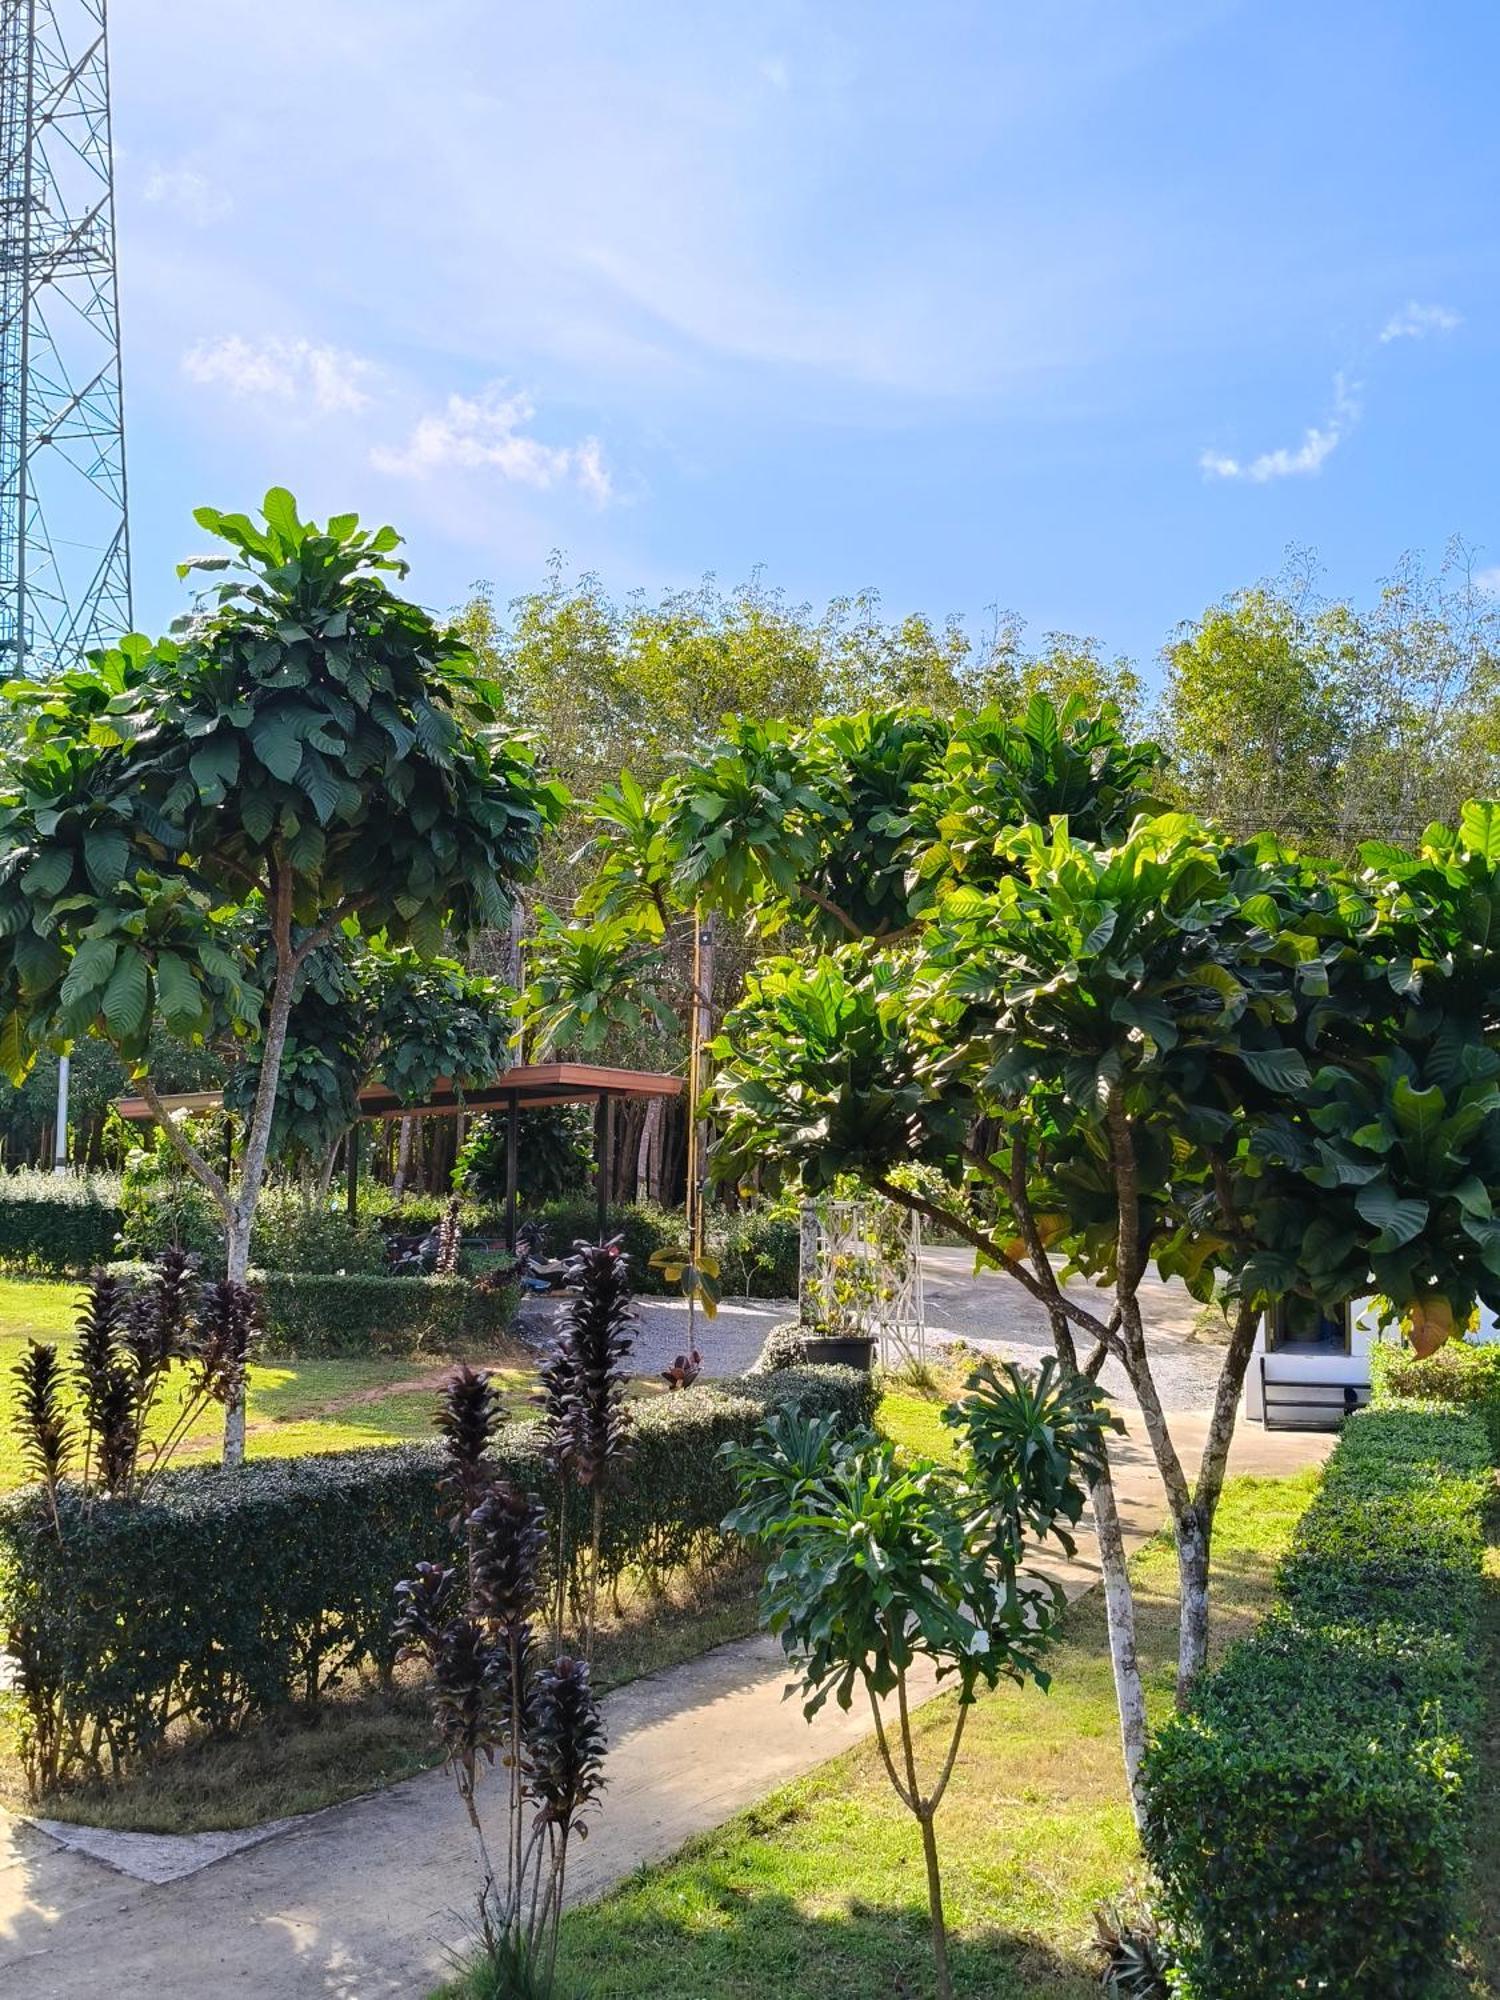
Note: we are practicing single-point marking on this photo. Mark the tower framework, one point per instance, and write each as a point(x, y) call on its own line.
point(64, 539)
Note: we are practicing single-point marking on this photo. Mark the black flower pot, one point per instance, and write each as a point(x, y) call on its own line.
point(840, 1351)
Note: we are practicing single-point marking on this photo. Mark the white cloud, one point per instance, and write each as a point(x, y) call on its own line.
point(188, 194)
point(1415, 322)
point(774, 70)
point(1488, 580)
point(1319, 442)
point(327, 379)
point(489, 431)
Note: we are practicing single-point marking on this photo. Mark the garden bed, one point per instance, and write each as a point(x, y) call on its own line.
point(819, 1891)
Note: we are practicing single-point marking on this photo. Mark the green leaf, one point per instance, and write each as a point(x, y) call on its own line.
point(124, 1004)
point(177, 991)
point(93, 962)
point(1277, 1069)
point(280, 510)
point(48, 874)
point(1479, 827)
point(278, 747)
point(1419, 1113)
point(106, 857)
point(1398, 1218)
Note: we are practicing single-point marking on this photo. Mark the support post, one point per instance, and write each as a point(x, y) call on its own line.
point(352, 1144)
point(512, 1148)
point(603, 1136)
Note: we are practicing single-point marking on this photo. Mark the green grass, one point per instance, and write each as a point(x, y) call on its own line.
point(819, 1891)
point(293, 1407)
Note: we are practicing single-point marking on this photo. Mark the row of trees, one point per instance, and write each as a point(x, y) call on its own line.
point(1088, 1035)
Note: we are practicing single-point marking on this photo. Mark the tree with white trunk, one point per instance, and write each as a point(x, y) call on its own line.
point(309, 746)
point(1089, 1038)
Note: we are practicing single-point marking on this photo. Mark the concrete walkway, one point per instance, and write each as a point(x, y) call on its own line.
point(367, 1899)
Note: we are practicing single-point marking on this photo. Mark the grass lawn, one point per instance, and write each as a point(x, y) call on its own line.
point(819, 1890)
point(294, 1406)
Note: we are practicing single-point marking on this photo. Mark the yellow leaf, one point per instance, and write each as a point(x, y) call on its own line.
point(1429, 1325)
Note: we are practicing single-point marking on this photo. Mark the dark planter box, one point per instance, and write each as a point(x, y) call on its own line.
point(831, 1352)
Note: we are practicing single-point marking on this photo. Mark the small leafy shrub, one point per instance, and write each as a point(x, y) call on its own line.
point(759, 1253)
point(1133, 1960)
point(292, 1234)
point(316, 1313)
point(1463, 1372)
point(162, 1207)
point(1307, 1818)
point(785, 1346)
point(554, 1156)
point(877, 1561)
point(56, 1225)
point(221, 1596)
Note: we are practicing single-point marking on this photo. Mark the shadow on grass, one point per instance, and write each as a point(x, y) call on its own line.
point(737, 1946)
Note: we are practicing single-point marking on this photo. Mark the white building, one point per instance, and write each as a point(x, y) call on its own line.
point(1309, 1368)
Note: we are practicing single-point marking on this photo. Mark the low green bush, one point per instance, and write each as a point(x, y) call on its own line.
point(1464, 1372)
point(56, 1225)
point(224, 1595)
point(292, 1234)
point(1306, 1817)
point(322, 1313)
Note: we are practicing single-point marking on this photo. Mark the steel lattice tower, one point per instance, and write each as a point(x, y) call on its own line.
point(64, 543)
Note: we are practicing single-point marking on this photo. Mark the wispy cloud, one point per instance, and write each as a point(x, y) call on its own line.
point(490, 432)
point(1488, 580)
point(775, 71)
point(329, 380)
point(1319, 442)
point(189, 194)
point(1415, 322)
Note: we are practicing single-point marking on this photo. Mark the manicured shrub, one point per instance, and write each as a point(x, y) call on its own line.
point(1464, 1372)
point(223, 1595)
point(54, 1225)
point(1306, 1818)
point(310, 1312)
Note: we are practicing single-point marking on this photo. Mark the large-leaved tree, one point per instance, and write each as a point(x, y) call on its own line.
point(308, 745)
point(1110, 1038)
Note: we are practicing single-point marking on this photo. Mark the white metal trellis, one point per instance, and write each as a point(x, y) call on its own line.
point(862, 1271)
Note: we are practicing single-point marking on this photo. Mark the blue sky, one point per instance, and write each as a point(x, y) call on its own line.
point(1087, 309)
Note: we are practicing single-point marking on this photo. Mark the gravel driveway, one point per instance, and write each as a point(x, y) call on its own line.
point(987, 1309)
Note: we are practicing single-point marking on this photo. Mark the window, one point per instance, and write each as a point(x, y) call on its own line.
point(1301, 1323)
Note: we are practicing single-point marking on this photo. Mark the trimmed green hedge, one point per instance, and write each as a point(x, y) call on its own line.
point(55, 1225)
point(1462, 1371)
point(313, 1313)
point(224, 1595)
point(1306, 1818)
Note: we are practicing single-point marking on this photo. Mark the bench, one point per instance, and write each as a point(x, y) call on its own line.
point(1321, 1405)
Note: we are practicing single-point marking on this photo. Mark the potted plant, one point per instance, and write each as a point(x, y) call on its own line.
point(841, 1337)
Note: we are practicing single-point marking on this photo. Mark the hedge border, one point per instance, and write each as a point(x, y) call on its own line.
point(1306, 1818)
point(225, 1595)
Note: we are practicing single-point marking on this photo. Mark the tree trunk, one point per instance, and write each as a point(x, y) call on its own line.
point(403, 1157)
point(1119, 1605)
point(1193, 1541)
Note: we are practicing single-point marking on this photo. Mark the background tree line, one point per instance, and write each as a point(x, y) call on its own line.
point(1319, 717)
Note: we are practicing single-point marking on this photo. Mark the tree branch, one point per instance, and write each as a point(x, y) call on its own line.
point(183, 1146)
point(961, 1225)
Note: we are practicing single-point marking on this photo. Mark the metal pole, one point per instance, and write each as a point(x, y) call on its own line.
point(60, 1142)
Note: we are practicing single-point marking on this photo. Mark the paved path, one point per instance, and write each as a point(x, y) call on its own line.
point(985, 1308)
point(365, 1901)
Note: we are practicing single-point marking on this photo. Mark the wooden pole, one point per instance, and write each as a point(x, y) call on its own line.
point(512, 1149)
point(351, 1144)
point(602, 1135)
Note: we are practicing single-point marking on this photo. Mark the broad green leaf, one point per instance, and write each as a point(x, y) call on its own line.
point(1399, 1219)
point(1479, 826)
point(1277, 1069)
point(124, 1002)
point(177, 991)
